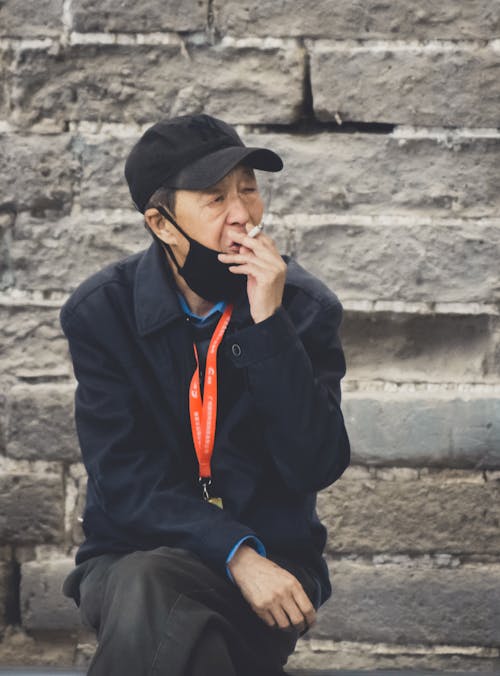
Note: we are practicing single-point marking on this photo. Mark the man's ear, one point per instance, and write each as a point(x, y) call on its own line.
point(159, 225)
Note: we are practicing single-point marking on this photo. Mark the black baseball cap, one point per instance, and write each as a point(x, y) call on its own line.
point(191, 152)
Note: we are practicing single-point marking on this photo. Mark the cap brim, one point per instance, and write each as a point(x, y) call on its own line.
point(210, 169)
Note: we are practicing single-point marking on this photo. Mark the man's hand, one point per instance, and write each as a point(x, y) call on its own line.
point(273, 593)
point(259, 258)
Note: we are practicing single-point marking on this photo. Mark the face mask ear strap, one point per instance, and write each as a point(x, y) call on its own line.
point(166, 246)
point(166, 215)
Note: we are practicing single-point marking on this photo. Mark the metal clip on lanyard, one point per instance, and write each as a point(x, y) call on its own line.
point(203, 410)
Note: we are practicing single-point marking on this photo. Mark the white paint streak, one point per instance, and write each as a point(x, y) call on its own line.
point(416, 46)
point(257, 43)
point(318, 645)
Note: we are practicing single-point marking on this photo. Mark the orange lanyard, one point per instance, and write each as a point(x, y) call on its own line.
point(203, 411)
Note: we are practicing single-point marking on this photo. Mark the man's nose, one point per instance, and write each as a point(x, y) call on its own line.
point(238, 213)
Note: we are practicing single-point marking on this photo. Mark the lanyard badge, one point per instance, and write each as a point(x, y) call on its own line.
point(203, 410)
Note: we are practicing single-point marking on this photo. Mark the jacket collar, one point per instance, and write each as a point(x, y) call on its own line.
point(155, 300)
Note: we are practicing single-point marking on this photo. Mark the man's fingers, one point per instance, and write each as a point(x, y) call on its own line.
point(267, 617)
point(281, 617)
point(305, 605)
point(296, 617)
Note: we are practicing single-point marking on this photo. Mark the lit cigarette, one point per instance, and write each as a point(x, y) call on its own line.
point(255, 231)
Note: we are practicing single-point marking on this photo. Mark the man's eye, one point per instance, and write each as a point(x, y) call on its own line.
point(218, 198)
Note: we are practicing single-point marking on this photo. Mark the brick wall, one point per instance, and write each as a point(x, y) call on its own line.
point(387, 117)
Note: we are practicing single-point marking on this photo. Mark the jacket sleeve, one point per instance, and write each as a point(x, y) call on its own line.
point(294, 377)
point(139, 490)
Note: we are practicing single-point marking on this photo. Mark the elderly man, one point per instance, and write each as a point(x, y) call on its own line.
point(208, 415)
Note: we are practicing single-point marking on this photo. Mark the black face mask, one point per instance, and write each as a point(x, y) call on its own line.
point(203, 271)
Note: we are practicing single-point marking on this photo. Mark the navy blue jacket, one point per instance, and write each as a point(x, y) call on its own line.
point(280, 433)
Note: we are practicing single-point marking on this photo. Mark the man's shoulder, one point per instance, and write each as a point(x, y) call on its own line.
point(96, 290)
point(310, 286)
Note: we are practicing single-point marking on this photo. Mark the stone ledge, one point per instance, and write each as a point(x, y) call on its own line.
point(240, 85)
point(403, 606)
point(434, 429)
point(415, 86)
point(388, 511)
point(476, 19)
point(43, 605)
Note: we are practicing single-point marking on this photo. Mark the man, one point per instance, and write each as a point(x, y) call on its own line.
point(208, 414)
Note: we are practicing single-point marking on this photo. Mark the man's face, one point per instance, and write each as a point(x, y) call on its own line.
point(213, 215)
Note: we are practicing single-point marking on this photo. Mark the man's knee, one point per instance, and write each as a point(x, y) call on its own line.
point(164, 569)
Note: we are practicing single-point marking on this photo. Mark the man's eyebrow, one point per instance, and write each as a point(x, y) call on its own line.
point(211, 190)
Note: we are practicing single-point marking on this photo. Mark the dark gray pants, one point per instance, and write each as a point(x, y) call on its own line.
point(164, 612)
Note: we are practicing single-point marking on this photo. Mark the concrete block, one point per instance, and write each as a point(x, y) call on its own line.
point(103, 161)
point(26, 20)
point(38, 172)
point(19, 649)
point(31, 508)
point(406, 86)
point(59, 254)
point(402, 347)
point(391, 660)
point(395, 605)
point(382, 175)
point(418, 263)
point(6, 57)
point(435, 429)
point(43, 605)
point(341, 174)
point(132, 17)
point(33, 344)
point(6, 583)
point(136, 84)
point(370, 19)
point(420, 516)
point(76, 493)
point(40, 423)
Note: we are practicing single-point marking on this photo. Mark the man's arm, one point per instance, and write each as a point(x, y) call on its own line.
point(296, 391)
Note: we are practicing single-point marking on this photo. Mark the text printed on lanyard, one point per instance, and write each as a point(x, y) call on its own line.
point(203, 410)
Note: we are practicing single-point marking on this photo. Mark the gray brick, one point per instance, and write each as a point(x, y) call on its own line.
point(6, 584)
point(371, 175)
point(369, 19)
point(423, 429)
point(394, 604)
point(5, 63)
point(38, 172)
point(31, 508)
point(103, 162)
point(76, 491)
point(58, 254)
point(367, 263)
point(32, 343)
point(402, 347)
point(133, 17)
point(127, 84)
point(418, 660)
point(40, 423)
point(377, 175)
point(432, 514)
point(35, 19)
point(442, 88)
point(43, 605)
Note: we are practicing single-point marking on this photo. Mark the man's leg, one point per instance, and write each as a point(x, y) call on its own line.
point(163, 611)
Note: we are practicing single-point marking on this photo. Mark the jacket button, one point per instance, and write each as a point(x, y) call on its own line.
point(236, 350)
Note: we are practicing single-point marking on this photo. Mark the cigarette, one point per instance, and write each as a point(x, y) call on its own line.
point(255, 231)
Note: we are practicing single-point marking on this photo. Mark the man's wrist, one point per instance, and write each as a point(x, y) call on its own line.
point(244, 554)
